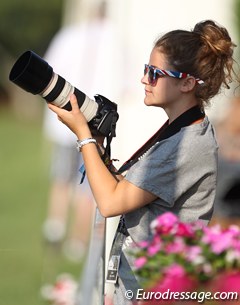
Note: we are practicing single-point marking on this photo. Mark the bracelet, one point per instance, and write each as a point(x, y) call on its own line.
point(80, 144)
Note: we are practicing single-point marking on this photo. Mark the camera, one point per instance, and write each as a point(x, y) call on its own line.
point(33, 74)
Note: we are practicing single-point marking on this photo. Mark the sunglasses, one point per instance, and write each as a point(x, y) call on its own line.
point(154, 74)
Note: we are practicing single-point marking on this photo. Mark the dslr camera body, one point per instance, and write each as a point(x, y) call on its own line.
point(33, 74)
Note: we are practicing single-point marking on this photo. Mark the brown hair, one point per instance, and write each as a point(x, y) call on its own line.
point(205, 52)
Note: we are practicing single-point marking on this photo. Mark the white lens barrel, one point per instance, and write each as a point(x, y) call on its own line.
point(89, 107)
point(64, 96)
point(50, 86)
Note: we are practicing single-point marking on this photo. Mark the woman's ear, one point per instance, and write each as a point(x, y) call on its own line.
point(188, 84)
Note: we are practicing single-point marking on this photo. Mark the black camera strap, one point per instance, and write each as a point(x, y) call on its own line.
point(167, 130)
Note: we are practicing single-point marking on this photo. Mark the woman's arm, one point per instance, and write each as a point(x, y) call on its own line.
point(113, 197)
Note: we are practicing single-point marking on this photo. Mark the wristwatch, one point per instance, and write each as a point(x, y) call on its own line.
point(81, 143)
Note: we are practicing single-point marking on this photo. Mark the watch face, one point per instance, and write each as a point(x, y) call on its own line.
point(80, 144)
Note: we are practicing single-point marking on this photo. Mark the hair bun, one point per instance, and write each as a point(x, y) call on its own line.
point(215, 37)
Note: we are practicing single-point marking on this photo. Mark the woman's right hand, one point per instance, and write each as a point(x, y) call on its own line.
point(74, 119)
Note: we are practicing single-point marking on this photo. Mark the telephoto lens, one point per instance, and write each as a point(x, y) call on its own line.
point(33, 74)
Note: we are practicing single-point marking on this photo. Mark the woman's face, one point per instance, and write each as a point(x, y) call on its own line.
point(166, 91)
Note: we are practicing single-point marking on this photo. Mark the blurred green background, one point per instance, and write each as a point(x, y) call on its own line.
point(26, 263)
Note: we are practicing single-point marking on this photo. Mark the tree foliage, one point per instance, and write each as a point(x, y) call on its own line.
point(28, 24)
point(237, 21)
point(237, 4)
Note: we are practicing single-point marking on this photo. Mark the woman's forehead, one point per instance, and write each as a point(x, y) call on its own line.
point(158, 59)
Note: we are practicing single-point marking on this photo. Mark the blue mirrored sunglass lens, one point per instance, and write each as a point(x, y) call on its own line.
point(151, 75)
point(145, 69)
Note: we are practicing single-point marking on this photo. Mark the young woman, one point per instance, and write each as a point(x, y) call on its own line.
point(176, 169)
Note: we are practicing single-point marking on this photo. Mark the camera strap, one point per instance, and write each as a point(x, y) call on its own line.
point(167, 130)
point(106, 157)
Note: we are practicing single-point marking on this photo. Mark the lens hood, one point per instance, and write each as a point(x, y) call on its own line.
point(31, 73)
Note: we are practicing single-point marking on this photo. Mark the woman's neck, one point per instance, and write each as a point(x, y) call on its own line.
point(175, 112)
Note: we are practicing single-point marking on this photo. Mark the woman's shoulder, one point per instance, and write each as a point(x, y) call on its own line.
point(189, 141)
point(202, 133)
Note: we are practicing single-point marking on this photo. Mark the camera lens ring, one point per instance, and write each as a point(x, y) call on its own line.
point(56, 91)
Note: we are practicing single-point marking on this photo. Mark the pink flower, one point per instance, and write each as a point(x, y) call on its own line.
point(153, 249)
point(227, 282)
point(236, 244)
point(211, 234)
point(232, 255)
point(179, 284)
point(140, 262)
point(183, 256)
point(174, 270)
point(198, 225)
point(154, 246)
point(193, 253)
point(234, 229)
point(63, 292)
point(219, 240)
point(143, 244)
point(164, 223)
point(177, 246)
point(175, 280)
point(223, 243)
point(207, 268)
point(185, 230)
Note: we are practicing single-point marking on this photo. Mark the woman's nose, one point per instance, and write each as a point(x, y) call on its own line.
point(144, 79)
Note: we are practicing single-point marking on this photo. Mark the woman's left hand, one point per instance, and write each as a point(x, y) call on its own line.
point(73, 119)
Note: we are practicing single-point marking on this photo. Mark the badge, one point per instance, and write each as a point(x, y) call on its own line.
point(112, 271)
